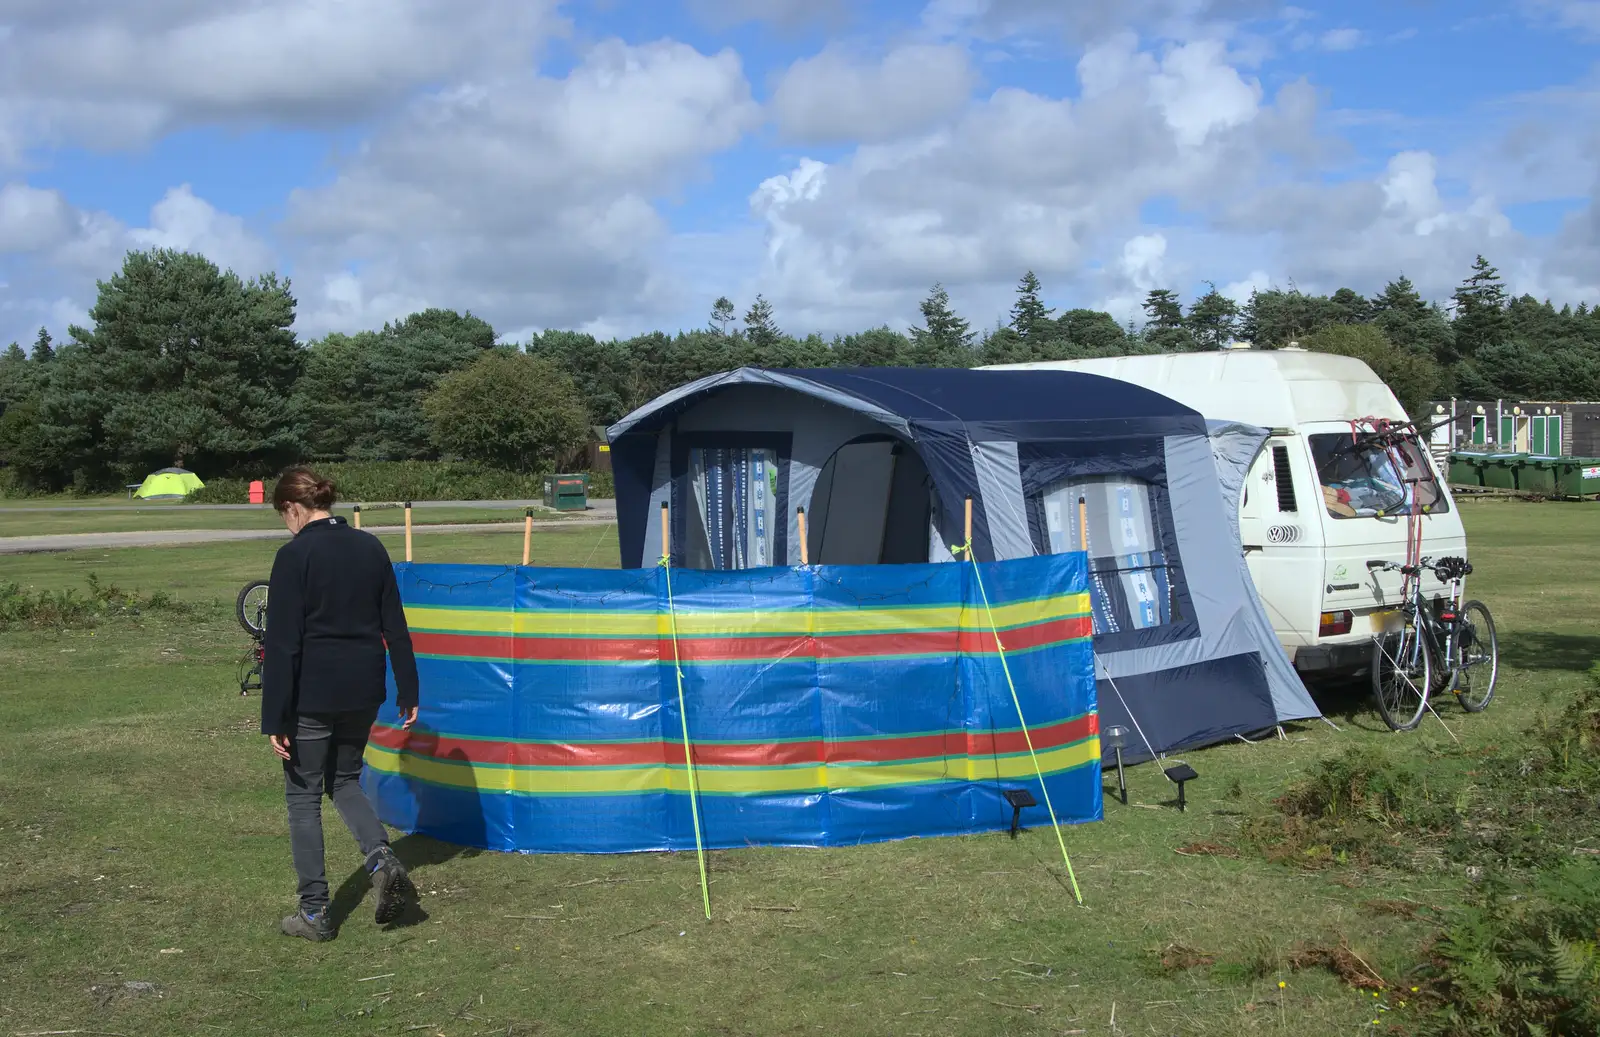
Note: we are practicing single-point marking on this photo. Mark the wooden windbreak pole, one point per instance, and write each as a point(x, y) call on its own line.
point(666, 532)
point(408, 531)
point(805, 550)
point(527, 535)
point(358, 516)
point(1083, 525)
point(968, 524)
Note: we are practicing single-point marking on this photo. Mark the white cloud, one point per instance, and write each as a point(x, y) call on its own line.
point(60, 250)
point(1199, 92)
point(1341, 39)
point(524, 198)
point(189, 224)
point(858, 240)
point(1085, 20)
point(1241, 290)
point(1583, 15)
point(116, 75)
point(723, 14)
point(31, 219)
point(835, 96)
point(541, 201)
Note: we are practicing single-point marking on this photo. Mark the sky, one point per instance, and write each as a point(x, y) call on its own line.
point(614, 166)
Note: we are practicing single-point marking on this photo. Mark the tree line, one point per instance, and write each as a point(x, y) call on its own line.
point(186, 364)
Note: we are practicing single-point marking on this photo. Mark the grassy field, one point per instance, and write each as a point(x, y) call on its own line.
point(142, 840)
point(19, 519)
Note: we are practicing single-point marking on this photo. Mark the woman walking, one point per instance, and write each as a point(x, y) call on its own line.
point(333, 611)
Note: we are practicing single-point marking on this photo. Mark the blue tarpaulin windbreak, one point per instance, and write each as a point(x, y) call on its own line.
point(827, 705)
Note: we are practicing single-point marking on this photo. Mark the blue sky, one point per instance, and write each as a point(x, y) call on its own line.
point(616, 165)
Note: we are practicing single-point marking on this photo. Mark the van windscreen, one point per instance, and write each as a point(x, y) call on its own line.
point(1360, 478)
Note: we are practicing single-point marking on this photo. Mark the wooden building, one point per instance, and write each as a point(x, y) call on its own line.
point(1568, 428)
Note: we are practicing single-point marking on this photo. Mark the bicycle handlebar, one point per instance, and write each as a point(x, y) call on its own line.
point(1450, 568)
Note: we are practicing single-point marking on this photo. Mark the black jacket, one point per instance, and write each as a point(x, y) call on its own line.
point(332, 606)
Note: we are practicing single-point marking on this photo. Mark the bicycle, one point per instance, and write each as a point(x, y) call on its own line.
point(1425, 647)
point(251, 610)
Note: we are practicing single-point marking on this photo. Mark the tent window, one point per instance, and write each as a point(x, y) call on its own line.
point(735, 508)
point(1114, 519)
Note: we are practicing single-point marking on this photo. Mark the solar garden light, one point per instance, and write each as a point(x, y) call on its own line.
point(1180, 774)
point(1118, 739)
point(1018, 798)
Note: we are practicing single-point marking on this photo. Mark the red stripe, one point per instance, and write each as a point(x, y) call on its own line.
point(750, 754)
point(735, 649)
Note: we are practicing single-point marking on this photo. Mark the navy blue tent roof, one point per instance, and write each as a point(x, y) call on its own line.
point(1036, 405)
point(944, 412)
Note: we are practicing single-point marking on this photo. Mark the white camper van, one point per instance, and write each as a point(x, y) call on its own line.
point(1315, 509)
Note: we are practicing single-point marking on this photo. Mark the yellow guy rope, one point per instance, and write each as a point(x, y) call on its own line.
point(1000, 650)
point(683, 714)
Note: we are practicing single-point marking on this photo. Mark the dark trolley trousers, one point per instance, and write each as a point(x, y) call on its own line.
point(325, 755)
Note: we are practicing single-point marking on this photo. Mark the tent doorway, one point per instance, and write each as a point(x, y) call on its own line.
point(872, 506)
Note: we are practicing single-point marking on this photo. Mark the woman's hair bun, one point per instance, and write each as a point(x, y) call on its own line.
point(300, 485)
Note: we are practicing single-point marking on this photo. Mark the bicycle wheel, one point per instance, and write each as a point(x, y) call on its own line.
point(1401, 674)
point(1477, 661)
point(251, 608)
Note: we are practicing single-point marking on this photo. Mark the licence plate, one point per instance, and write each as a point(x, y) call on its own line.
point(1382, 621)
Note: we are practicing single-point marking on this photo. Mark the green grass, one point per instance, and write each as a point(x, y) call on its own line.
point(140, 812)
point(22, 521)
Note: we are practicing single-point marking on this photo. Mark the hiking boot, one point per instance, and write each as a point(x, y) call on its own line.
point(392, 883)
point(315, 926)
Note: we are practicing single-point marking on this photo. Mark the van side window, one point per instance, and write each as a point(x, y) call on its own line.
point(1284, 477)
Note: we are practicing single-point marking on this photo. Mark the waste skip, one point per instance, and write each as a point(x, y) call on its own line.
point(1577, 476)
point(1466, 468)
point(1500, 471)
point(567, 492)
point(1538, 474)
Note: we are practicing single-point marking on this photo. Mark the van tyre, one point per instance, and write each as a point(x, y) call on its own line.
point(1477, 661)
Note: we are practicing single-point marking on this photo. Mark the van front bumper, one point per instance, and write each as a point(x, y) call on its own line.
point(1340, 657)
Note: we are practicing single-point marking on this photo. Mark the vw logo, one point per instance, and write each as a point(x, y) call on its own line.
point(1283, 534)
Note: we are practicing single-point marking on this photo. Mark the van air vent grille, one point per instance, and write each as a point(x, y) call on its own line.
point(1284, 477)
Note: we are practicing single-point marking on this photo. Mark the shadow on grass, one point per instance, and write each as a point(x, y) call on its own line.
point(1542, 651)
point(1348, 702)
point(418, 852)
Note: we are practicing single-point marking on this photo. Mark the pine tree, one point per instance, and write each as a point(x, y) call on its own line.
point(42, 350)
point(1164, 328)
point(1212, 319)
point(1480, 305)
point(1412, 324)
point(944, 338)
point(1350, 307)
point(1029, 316)
point(16, 379)
point(759, 327)
point(722, 314)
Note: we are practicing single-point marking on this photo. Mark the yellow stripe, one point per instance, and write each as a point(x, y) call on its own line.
point(558, 781)
point(558, 623)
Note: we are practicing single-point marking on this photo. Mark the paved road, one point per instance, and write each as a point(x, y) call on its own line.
point(594, 505)
point(174, 537)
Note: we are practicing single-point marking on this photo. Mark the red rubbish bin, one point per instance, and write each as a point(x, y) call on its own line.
point(258, 492)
